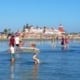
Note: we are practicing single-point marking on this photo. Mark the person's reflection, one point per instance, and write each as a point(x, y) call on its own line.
point(12, 66)
point(35, 71)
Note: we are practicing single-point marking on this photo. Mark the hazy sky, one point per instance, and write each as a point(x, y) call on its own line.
point(15, 13)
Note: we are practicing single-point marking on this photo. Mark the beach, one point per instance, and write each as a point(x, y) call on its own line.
point(39, 40)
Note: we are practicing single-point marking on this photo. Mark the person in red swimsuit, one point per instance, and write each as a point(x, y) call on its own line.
point(11, 41)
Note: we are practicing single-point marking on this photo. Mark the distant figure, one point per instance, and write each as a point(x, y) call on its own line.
point(21, 43)
point(33, 45)
point(53, 41)
point(12, 49)
point(64, 42)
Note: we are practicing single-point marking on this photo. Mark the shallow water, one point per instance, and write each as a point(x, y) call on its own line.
point(56, 64)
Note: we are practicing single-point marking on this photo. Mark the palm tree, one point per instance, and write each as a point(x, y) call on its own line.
point(5, 31)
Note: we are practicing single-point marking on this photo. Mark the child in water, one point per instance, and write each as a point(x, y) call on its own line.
point(36, 60)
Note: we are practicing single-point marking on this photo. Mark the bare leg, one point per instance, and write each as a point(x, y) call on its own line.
point(12, 60)
point(12, 54)
point(36, 60)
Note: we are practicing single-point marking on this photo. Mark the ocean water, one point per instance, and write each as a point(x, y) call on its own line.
point(55, 63)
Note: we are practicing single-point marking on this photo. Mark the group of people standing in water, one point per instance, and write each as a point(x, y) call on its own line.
point(15, 43)
point(64, 41)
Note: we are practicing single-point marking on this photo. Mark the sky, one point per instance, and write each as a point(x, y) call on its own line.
point(14, 14)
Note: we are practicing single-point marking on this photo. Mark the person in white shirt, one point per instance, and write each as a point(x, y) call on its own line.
point(17, 40)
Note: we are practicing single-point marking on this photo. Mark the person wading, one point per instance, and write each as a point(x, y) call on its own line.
point(12, 49)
